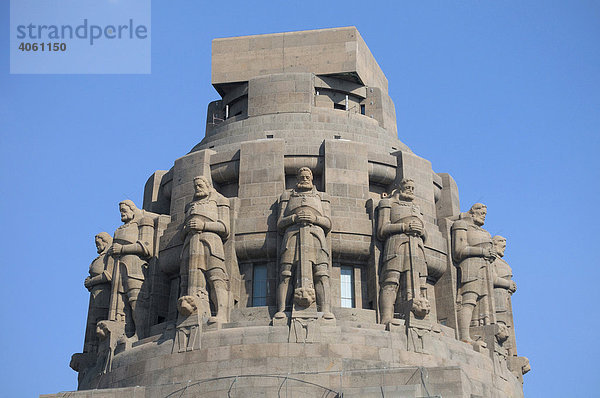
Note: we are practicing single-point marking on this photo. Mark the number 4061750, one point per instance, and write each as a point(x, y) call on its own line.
point(43, 46)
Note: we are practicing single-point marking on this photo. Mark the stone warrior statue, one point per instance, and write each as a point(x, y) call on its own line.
point(401, 226)
point(203, 257)
point(132, 247)
point(473, 252)
point(99, 285)
point(304, 221)
point(504, 287)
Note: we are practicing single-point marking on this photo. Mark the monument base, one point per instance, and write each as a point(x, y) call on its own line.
point(354, 358)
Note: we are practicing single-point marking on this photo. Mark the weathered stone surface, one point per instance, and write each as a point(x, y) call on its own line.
point(321, 52)
point(203, 267)
point(473, 251)
point(305, 255)
point(289, 192)
point(401, 225)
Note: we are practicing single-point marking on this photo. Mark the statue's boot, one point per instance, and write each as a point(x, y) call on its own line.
point(323, 288)
point(464, 321)
point(139, 319)
point(387, 299)
point(282, 293)
point(221, 296)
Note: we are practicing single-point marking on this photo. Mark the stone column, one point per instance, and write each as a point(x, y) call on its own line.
point(261, 181)
point(346, 180)
point(185, 169)
point(448, 209)
point(436, 248)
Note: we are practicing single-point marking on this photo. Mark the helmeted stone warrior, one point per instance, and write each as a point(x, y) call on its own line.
point(99, 286)
point(401, 226)
point(304, 220)
point(473, 252)
point(203, 257)
point(132, 247)
point(504, 287)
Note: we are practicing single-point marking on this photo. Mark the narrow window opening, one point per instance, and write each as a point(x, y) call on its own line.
point(347, 286)
point(363, 109)
point(259, 285)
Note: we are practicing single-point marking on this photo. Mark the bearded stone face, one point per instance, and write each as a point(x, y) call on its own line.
point(304, 181)
point(500, 246)
point(127, 213)
point(407, 191)
point(100, 245)
point(479, 216)
point(201, 188)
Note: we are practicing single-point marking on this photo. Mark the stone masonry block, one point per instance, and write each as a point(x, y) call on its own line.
point(322, 52)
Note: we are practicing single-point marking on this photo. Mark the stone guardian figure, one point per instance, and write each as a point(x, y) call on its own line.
point(304, 220)
point(132, 247)
point(99, 286)
point(504, 287)
point(473, 252)
point(203, 257)
point(401, 227)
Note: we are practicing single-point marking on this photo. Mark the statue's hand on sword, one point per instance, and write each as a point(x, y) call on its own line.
point(306, 217)
point(115, 249)
point(489, 254)
point(415, 228)
point(197, 225)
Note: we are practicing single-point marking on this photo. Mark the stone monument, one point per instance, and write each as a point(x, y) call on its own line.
point(473, 251)
point(99, 285)
point(203, 257)
point(300, 247)
point(304, 221)
point(131, 248)
point(401, 225)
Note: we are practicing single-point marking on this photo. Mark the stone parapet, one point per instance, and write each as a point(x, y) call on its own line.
point(353, 358)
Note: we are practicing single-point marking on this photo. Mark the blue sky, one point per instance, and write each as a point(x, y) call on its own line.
point(504, 96)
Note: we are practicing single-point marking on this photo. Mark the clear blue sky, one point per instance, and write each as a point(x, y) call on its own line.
point(503, 95)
